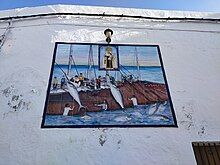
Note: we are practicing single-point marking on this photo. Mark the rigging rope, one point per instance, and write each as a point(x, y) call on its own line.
point(91, 62)
point(62, 70)
point(71, 58)
point(75, 66)
point(127, 71)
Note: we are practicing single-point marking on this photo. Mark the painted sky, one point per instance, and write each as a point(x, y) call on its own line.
point(147, 55)
point(182, 5)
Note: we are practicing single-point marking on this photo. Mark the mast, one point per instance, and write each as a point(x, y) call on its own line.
point(138, 65)
point(91, 64)
point(70, 60)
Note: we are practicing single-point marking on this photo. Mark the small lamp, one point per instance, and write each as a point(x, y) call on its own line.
point(108, 33)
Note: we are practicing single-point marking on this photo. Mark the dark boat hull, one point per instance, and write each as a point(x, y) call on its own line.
point(145, 92)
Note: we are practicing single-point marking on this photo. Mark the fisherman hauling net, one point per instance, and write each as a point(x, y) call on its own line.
point(72, 90)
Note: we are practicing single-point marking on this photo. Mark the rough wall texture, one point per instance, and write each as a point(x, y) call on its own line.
point(190, 53)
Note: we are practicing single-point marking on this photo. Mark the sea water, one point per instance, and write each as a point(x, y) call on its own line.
point(141, 115)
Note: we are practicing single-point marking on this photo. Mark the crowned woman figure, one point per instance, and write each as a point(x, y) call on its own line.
point(109, 58)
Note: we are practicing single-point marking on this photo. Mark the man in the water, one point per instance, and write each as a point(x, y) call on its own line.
point(104, 105)
point(67, 108)
point(134, 101)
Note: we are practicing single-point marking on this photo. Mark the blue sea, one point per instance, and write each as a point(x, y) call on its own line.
point(141, 115)
point(148, 73)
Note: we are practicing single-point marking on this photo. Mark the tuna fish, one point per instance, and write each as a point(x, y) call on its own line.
point(115, 93)
point(75, 95)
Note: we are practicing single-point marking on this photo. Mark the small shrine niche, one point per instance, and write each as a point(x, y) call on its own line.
point(108, 57)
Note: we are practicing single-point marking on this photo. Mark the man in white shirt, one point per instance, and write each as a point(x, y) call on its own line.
point(67, 108)
point(134, 100)
point(104, 105)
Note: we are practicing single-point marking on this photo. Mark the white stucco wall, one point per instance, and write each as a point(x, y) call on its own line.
point(190, 53)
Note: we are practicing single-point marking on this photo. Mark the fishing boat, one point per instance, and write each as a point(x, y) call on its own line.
point(94, 94)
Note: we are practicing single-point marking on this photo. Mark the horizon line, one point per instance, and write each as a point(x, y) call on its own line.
point(121, 65)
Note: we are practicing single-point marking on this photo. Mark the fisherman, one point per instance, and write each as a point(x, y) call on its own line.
point(108, 58)
point(81, 79)
point(72, 79)
point(76, 79)
point(112, 79)
point(62, 82)
point(98, 82)
point(134, 101)
point(130, 78)
point(92, 83)
point(104, 105)
point(55, 83)
point(123, 78)
point(67, 108)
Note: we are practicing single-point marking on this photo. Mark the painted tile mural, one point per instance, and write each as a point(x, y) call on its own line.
point(99, 85)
